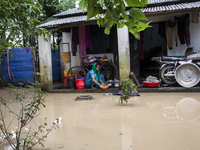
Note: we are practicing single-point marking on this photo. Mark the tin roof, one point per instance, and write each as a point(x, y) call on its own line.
point(65, 21)
point(154, 9)
point(172, 7)
point(81, 11)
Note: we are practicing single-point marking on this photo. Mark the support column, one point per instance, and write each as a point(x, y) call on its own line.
point(45, 62)
point(123, 52)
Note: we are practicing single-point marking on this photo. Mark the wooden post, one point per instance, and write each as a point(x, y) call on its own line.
point(45, 63)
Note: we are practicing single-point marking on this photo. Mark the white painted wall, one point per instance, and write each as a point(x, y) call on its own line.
point(75, 59)
point(67, 38)
point(194, 36)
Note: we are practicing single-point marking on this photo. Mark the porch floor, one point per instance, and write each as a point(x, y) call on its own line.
point(59, 88)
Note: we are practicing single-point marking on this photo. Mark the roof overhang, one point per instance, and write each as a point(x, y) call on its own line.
point(173, 9)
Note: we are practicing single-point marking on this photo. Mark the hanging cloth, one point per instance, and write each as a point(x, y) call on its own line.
point(75, 40)
point(141, 45)
point(187, 30)
point(87, 36)
point(170, 25)
point(82, 46)
point(195, 17)
point(84, 40)
point(96, 72)
point(181, 29)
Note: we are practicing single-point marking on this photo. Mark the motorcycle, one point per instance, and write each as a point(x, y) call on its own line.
point(185, 71)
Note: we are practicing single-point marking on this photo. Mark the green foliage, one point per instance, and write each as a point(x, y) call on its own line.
point(128, 89)
point(52, 7)
point(18, 20)
point(113, 12)
point(29, 107)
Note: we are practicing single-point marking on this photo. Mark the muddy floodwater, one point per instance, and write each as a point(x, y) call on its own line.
point(151, 121)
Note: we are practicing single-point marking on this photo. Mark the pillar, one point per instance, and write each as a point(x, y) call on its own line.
point(45, 62)
point(123, 52)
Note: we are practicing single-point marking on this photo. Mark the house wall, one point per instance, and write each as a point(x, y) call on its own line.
point(65, 46)
point(194, 36)
point(75, 59)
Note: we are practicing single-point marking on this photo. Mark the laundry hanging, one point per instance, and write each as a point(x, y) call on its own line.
point(75, 40)
point(187, 29)
point(195, 17)
point(170, 25)
point(84, 40)
point(183, 29)
point(141, 45)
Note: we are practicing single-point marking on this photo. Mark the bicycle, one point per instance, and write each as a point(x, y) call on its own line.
point(107, 68)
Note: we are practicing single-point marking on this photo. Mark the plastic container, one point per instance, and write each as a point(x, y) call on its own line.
point(104, 87)
point(85, 80)
point(80, 83)
point(66, 71)
point(66, 57)
point(69, 82)
point(151, 84)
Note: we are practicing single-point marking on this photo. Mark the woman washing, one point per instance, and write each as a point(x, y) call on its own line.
point(94, 78)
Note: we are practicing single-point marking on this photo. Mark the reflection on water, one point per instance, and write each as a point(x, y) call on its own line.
point(186, 109)
point(153, 121)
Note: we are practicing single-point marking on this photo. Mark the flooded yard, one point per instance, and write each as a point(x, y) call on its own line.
point(151, 121)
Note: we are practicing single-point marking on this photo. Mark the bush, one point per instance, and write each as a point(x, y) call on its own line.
point(30, 100)
point(128, 89)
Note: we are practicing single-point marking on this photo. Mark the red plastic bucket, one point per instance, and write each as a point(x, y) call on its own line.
point(65, 80)
point(80, 83)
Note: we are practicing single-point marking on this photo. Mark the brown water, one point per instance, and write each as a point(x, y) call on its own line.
point(153, 121)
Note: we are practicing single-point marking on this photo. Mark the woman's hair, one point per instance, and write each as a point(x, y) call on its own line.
point(97, 64)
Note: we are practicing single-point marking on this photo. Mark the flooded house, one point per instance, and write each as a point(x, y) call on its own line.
point(175, 29)
point(157, 40)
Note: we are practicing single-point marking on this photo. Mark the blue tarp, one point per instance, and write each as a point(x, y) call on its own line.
point(55, 57)
point(22, 66)
point(119, 92)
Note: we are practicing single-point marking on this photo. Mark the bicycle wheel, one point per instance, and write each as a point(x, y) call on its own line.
point(109, 70)
point(77, 70)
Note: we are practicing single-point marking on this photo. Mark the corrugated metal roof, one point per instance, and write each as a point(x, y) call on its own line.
point(70, 12)
point(155, 9)
point(78, 10)
point(65, 21)
point(173, 7)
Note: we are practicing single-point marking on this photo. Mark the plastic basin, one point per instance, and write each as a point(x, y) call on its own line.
point(151, 84)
